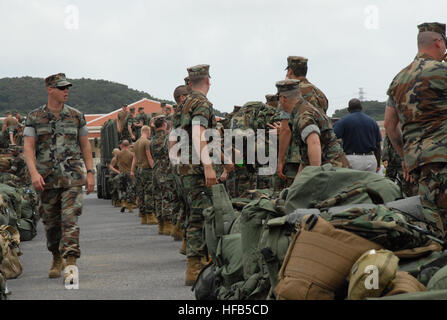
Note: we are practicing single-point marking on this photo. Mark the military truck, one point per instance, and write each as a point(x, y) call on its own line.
point(109, 141)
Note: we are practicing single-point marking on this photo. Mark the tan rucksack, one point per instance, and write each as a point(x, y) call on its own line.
point(405, 283)
point(319, 260)
point(10, 249)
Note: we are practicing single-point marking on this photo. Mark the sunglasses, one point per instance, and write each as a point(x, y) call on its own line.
point(63, 88)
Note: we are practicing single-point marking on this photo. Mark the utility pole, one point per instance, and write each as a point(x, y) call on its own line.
point(361, 94)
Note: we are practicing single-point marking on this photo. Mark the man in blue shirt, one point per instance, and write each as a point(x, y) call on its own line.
point(361, 138)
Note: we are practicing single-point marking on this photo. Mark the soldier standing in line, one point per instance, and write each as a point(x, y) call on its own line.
point(130, 121)
point(416, 122)
point(197, 179)
point(159, 147)
point(179, 206)
point(141, 120)
point(289, 157)
point(56, 138)
point(144, 175)
point(121, 121)
point(126, 185)
point(312, 129)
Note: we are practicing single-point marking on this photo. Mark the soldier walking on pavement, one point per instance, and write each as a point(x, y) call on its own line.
point(55, 141)
point(418, 100)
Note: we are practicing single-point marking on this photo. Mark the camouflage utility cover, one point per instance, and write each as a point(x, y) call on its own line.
point(419, 95)
point(58, 154)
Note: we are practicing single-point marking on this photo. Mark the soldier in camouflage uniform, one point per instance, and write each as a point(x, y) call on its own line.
point(312, 129)
point(179, 207)
point(418, 100)
point(126, 185)
point(144, 176)
point(121, 123)
point(196, 179)
point(289, 157)
point(56, 141)
point(141, 120)
point(162, 188)
point(243, 178)
point(129, 134)
point(113, 180)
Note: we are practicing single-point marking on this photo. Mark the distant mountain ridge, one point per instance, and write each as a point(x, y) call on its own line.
point(374, 109)
point(87, 95)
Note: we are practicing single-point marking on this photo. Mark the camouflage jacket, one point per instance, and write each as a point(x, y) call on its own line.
point(160, 154)
point(313, 95)
point(58, 153)
point(309, 120)
point(144, 118)
point(419, 95)
point(196, 107)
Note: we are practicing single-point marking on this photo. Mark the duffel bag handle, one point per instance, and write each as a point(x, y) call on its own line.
point(375, 197)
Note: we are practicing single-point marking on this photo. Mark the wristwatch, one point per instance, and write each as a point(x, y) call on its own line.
point(92, 171)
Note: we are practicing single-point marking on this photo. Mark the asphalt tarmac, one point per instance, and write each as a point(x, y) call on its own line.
point(121, 259)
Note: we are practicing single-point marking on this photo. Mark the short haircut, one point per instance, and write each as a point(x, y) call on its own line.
point(299, 70)
point(179, 91)
point(115, 151)
point(354, 104)
point(125, 143)
point(290, 94)
point(145, 128)
point(198, 81)
point(426, 39)
point(159, 122)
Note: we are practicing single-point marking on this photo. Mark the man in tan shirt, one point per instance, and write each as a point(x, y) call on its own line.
point(143, 176)
point(125, 186)
point(10, 125)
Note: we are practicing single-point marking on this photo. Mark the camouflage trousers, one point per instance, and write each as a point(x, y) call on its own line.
point(239, 181)
point(59, 210)
point(179, 203)
point(144, 181)
point(126, 188)
point(163, 189)
point(396, 174)
point(113, 181)
point(198, 198)
point(432, 183)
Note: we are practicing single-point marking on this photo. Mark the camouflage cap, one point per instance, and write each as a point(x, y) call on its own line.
point(199, 71)
point(271, 97)
point(294, 61)
point(288, 85)
point(132, 109)
point(140, 108)
point(57, 80)
point(236, 108)
point(433, 27)
point(163, 104)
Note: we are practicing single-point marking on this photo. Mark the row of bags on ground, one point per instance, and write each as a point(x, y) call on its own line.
point(313, 241)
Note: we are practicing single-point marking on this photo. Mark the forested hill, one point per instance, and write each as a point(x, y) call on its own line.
point(374, 109)
point(89, 96)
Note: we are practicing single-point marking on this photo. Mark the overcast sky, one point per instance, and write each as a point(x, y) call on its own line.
point(148, 45)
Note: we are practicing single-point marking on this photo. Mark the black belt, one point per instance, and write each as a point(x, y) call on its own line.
point(360, 153)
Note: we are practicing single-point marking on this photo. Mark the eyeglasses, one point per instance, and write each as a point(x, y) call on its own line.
point(63, 88)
